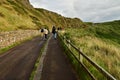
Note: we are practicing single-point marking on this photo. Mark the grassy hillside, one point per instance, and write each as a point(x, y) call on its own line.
point(14, 15)
point(101, 42)
point(109, 31)
point(58, 20)
point(19, 14)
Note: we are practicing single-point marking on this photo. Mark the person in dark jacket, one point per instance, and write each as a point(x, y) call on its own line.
point(54, 32)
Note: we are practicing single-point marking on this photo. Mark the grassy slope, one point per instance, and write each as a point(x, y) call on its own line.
point(14, 15)
point(101, 43)
point(49, 19)
point(109, 30)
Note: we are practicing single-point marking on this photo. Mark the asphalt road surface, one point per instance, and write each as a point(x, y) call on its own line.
point(18, 62)
point(56, 65)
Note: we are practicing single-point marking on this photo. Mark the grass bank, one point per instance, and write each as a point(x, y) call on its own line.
point(101, 43)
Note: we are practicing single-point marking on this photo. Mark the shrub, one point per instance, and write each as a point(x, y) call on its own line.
point(2, 15)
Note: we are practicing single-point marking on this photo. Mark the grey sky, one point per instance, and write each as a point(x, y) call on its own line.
point(86, 10)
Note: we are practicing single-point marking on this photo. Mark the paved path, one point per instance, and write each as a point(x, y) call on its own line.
point(56, 66)
point(17, 63)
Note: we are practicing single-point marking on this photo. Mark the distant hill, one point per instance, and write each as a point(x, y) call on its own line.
point(106, 30)
point(20, 14)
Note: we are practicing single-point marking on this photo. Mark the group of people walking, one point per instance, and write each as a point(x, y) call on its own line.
point(45, 32)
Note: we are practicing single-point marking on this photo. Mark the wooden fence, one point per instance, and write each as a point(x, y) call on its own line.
point(78, 59)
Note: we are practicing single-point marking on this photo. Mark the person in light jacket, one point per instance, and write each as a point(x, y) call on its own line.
point(45, 33)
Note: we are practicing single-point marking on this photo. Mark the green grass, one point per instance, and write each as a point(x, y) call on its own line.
point(14, 16)
point(101, 43)
point(14, 21)
point(75, 64)
point(107, 31)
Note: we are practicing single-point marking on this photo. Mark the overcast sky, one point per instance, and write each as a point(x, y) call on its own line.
point(86, 10)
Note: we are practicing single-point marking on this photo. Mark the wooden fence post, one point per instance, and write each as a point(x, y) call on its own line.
point(81, 57)
point(69, 44)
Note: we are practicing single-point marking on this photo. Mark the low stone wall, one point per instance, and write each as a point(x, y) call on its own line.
point(8, 38)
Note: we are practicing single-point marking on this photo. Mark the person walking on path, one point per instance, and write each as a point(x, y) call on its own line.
point(42, 33)
point(45, 33)
point(54, 32)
